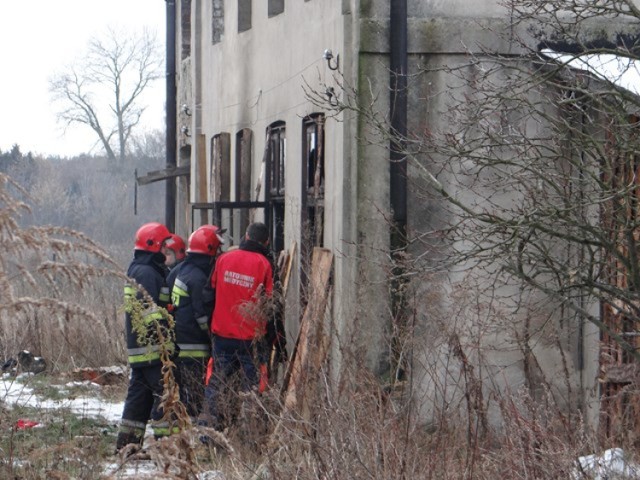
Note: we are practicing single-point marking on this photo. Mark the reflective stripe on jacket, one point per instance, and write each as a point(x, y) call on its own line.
point(192, 308)
point(146, 271)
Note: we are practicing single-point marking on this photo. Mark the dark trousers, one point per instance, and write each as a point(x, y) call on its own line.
point(191, 380)
point(142, 403)
point(234, 369)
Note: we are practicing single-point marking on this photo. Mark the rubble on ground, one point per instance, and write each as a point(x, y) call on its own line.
point(25, 362)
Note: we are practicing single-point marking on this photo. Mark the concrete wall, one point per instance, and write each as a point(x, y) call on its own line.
point(491, 312)
point(454, 308)
point(474, 311)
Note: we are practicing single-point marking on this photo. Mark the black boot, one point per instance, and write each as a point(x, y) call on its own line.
point(128, 438)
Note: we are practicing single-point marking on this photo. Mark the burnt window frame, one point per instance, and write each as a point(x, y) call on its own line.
point(242, 173)
point(277, 149)
point(220, 166)
point(275, 171)
point(313, 160)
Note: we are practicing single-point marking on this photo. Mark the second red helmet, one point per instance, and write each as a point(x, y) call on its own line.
point(176, 243)
point(151, 236)
point(205, 240)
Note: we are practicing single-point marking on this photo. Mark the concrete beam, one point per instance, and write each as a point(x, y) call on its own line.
point(593, 35)
point(448, 35)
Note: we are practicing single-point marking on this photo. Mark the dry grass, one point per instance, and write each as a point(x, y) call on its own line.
point(62, 297)
point(366, 432)
point(360, 432)
point(61, 291)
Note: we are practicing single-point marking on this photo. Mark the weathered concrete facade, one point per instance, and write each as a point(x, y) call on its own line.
point(264, 76)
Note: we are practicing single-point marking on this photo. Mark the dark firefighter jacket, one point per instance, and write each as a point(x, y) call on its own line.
point(191, 306)
point(147, 270)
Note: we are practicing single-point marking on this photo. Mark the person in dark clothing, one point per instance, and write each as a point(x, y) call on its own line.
point(191, 311)
point(147, 270)
point(243, 283)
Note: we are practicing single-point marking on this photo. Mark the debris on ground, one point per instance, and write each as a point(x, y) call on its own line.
point(26, 362)
point(100, 375)
point(24, 424)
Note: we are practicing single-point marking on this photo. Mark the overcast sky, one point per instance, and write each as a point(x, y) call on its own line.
point(40, 37)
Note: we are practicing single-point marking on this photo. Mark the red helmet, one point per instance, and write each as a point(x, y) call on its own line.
point(151, 236)
point(176, 243)
point(206, 240)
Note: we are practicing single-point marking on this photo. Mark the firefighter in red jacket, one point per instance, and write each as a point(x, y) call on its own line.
point(242, 281)
point(147, 269)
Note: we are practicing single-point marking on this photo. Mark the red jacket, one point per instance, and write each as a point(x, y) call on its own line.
point(238, 275)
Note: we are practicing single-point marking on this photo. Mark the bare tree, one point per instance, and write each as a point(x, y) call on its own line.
point(104, 90)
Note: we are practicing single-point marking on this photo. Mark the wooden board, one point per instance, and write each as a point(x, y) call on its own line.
point(311, 347)
point(284, 266)
point(310, 327)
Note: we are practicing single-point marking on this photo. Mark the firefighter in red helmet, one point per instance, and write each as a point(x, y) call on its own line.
point(147, 270)
point(175, 251)
point(192, 307)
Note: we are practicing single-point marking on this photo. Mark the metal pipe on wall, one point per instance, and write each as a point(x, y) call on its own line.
point(199, 145)
point(398, 112)
point(398, 62)
point(171, 114)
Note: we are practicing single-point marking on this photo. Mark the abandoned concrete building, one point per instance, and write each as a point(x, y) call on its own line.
point(257, 86)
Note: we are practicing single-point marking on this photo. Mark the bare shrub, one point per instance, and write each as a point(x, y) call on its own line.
point(364, 430)
point(538, 440)
point(60, 290)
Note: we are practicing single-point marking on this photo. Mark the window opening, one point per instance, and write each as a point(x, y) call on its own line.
point(275, 7)
point(276, 157)
point(220, 168)
point(275, 168)
point(313, 174)
point(244, 15)
point(243, 156)
point(217, 20)
point(185, 28)
point(312, 194)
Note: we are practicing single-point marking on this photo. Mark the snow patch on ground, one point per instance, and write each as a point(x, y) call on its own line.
point(15, 391)
point(611, 464)
point(18, 393)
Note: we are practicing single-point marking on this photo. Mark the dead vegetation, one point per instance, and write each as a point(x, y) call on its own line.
point(312, 424)
point(59, 290)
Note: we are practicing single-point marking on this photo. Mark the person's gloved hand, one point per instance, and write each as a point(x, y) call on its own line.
point(264, 378)
point(209, 372)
